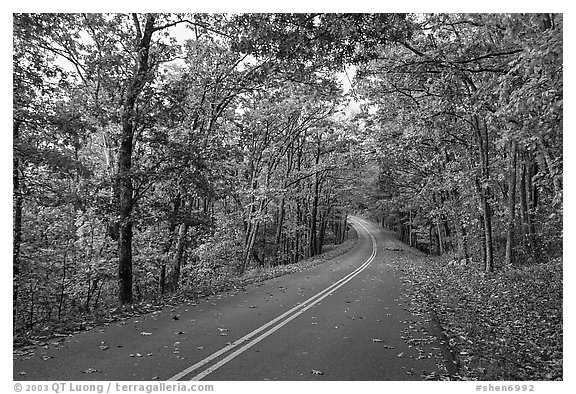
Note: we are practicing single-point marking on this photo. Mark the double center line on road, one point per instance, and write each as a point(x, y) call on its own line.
point(269, 328)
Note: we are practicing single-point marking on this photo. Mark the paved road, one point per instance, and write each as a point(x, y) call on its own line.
point(341, 320)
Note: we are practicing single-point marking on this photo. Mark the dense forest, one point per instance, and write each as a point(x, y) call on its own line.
point(147, 165)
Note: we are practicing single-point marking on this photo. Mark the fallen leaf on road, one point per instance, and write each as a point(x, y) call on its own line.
point(431, 376)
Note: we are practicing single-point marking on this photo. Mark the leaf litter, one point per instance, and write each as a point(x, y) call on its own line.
point(505, 325)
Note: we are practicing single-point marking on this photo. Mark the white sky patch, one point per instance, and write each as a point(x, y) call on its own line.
point(346, 77)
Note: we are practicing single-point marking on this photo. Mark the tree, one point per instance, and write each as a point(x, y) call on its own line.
point(449, 87)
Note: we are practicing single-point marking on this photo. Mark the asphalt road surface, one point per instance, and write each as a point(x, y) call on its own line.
point(341, 320)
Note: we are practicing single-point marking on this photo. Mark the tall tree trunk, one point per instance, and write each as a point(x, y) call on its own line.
point(312, 239)
point(168, 244)
point(440, 240)
point(462, 252)
point(251, 234)
point(461, 240)
point(279, 224)
point(17, 219)
point(489, 251)
point(509, 259)
point(344, 227)
point(526, 205)
point(483, 142)
point(321, 235)
point(410, 228)
point(249, 247)
point(523, 201)
point(533, 205)
point(448, 245)
point(281, 208)
point(175, 269)
point(125, 189)
point(298, 234)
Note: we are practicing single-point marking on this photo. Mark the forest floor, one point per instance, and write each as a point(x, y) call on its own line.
point(85, 322)
point(505, 325)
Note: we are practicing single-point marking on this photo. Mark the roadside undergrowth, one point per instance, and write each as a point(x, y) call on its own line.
point(505, 325)
point(219, 284)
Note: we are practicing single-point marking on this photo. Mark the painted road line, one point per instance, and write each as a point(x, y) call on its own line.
point(253, 342)
point(301, 306)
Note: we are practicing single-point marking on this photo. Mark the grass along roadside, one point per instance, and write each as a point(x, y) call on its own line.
point(505, 325)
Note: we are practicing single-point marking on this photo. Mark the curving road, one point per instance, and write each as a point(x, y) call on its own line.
point(341, 320)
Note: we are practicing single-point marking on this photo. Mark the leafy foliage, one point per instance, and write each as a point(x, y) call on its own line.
point(144, 167)
point(465, 164)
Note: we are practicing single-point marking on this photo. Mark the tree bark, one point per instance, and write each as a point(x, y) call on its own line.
point(509, 259)
point(17, 219)
point(168, 244)
point(321, 235)
point(124, 178)
point(484, 190)
point(249, 247)
point(410, 228)
point(526, 205)
point(461, 240)
point(312, 238)
point(440, 240)
point(278, 237)
point(175, 269)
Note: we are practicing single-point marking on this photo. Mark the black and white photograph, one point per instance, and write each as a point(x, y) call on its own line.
point(289, 197)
